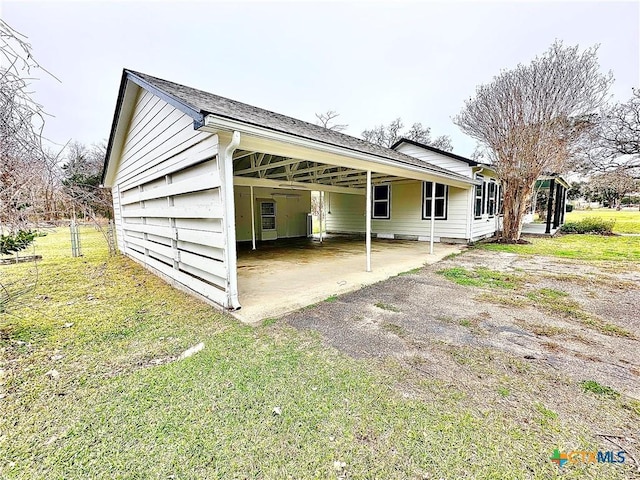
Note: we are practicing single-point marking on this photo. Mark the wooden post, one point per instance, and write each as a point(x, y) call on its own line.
point(552, 185)
point(368, 221)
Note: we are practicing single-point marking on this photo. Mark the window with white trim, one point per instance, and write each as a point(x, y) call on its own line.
point(479, 198)
point(381, 199)
point(440, 201)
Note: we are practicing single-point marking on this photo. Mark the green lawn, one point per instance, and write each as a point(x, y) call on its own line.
point(579, 247)
point(121, 408)
point(627, 221)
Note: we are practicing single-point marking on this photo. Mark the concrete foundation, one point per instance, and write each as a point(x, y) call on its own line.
point(280, 277)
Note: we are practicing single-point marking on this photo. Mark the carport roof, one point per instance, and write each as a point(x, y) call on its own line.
point(198, 104)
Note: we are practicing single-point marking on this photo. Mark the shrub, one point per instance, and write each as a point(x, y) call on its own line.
point(589, 225)
point(18, 241)
point(569, 208)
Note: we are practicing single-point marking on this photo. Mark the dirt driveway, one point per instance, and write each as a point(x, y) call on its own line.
point(502, 328)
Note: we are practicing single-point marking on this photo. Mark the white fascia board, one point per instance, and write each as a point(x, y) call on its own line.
point(122, 127)
point(276, 143)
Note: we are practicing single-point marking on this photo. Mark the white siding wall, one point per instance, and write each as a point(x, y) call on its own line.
point(486, 226)
point(437, 159)
point(169, 212)
point(292, 208)
point(347, 214)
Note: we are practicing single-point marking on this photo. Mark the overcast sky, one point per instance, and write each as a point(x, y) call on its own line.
point(371, 62)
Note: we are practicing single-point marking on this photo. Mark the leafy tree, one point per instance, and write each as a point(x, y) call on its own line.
point(530, 121)
point(387, 135)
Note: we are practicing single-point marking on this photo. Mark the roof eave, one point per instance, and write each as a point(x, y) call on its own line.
point(130, 76)
point(218, 123)
point(468, 161)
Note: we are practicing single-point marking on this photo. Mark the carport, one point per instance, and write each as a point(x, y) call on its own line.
point(182, 162)
point(276, 276)
point(286, 275)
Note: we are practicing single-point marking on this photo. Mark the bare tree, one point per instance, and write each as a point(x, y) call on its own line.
point(327, 118)
point(613, 186)
point(530, 121)
point(22, 157)
point(615, 142)
point(387, 135)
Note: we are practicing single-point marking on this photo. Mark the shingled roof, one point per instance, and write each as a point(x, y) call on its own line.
point(199, 104)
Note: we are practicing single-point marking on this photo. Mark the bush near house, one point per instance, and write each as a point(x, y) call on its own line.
point(595, 225)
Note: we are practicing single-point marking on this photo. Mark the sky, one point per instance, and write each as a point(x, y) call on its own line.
point(369, 61)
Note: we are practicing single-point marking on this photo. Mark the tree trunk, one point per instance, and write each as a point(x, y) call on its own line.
point(516, 199)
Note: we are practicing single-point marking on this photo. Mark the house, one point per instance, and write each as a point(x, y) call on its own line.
point(402, 208)
point(194, 174)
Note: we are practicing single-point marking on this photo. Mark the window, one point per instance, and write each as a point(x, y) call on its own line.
point(479, 199)
point(491, 200)
point(381, 202)
point(268, 215)
point(500, 200)
point(441, 201)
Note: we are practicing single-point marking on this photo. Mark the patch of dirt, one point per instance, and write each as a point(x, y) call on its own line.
point(499, 346)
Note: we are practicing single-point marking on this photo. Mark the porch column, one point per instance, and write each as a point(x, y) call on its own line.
point(556, 213)
point(368, 221)
point(253, 220)
point(552, 186)
point(564, 206)
point(433, 216)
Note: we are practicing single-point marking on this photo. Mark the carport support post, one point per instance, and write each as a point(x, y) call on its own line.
point(253, 219)
point(321, 199)
point(433, 216)
point(368, 221)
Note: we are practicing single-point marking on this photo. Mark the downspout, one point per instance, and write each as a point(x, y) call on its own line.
point(230, 222)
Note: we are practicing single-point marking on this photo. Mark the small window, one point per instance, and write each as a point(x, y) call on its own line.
point(441, 201)
point(268, 215)
point(381, 202)
point(479, 197)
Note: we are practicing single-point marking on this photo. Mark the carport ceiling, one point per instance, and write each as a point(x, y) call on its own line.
point(273, 167)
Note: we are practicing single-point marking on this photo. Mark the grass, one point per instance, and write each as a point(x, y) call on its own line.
point(480, 277)
point(122, 408)
point(626, 221)
point(558, 302)
point(595, 387)
point(413, 271)
point(577, 247)
point(386, 306)
point(395, 329)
